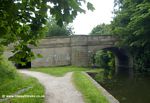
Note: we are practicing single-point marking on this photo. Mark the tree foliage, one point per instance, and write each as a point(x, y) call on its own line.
point(104, 59)
point(55, 30)
point(22, 21)
point(131, 24)
point(102, 29)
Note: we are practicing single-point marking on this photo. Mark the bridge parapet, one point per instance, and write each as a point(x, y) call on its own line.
point(53, 42)
point(75, 40)
point(79, 40)
point(101, 40)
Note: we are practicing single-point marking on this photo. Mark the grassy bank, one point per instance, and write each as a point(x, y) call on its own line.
point(59, 71)
point(19, 83)
point(11, 82)
point(90, 93)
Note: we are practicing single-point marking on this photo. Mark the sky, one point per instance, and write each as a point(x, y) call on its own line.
point(84, 23)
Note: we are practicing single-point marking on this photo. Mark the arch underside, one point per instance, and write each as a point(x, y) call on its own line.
point(122, 58)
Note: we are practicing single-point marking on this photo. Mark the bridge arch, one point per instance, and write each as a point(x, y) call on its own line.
point(123, 60)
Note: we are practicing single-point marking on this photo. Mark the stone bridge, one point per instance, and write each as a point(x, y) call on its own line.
point(76, 50)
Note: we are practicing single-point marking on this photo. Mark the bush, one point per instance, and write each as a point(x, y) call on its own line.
point(104, 59)
point(7, 70)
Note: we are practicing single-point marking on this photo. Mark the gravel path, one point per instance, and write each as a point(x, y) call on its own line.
point(58, 89)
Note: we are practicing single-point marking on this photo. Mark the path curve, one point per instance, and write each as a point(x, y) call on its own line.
point(58, 89)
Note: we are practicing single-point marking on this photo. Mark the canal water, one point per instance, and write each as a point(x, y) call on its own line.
point(135, 89)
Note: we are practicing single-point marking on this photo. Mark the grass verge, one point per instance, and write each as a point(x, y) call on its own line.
point(12, 82)
point(59, 71)
point(18, 83)
point(90, 92)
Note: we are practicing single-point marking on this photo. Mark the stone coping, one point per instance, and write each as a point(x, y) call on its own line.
point(108, 96)
point(79, 35)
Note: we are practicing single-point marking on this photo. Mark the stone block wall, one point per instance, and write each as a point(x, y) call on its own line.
point(54, 51)
point(69, 50)
point(72, 50)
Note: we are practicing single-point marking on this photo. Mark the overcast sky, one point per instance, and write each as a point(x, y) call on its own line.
point(84, 23)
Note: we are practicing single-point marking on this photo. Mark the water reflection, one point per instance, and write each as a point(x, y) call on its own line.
point(126, 88)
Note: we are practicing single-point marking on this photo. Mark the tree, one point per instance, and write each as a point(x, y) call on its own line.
point(102, 29)
point(104, 59)
point(22, 21)
point(131, 24)
point(56, 30)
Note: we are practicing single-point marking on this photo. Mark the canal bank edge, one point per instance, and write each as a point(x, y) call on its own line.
point(108, 96)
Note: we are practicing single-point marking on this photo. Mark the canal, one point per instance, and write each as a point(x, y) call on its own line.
point(135, 89)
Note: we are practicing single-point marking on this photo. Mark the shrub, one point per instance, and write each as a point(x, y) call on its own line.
point(7, 70)
point(104, 59)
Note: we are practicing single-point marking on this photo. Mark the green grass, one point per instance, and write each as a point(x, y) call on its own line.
point(7, 71)
point(60, 71)
point(90, 92)
point(11, 82)
point(19, 83)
